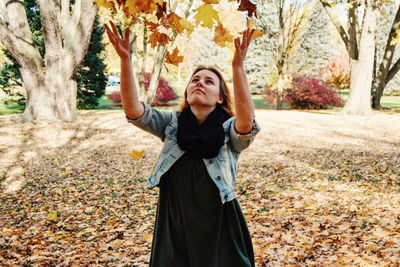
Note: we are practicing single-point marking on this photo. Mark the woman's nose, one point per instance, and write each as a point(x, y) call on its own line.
point(198, 83)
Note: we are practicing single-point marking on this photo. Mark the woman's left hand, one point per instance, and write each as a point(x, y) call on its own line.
point(241, 47)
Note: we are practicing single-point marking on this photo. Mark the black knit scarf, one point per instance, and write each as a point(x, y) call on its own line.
point(202, 140)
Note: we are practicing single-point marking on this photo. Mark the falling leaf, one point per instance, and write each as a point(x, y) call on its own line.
point(206, 15)
point(257, 34)
point(152, 26)
point(161, 10)
point(173, 58)
point(222, 36)
point(104, 3)
point(186, 25)
point(136, 154)
point(211, 1)
point(246, 5)
point(158, 38)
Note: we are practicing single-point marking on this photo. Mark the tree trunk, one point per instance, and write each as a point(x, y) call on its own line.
point(379, 83)
point(50, 89)
point(155, 77)
point(361, 68)
point(280, 87)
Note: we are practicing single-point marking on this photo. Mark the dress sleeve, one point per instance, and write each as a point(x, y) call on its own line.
point(153, 121)
point(239, 141)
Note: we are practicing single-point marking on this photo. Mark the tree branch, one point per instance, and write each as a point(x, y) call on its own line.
point(342, 32)
point(393, 71)
point(77, 37)
point(15, 34)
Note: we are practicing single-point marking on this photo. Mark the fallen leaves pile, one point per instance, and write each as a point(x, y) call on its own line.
point(315, 188)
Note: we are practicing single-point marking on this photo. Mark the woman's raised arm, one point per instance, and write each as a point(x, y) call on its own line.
point(129, 93)
point(243, 104)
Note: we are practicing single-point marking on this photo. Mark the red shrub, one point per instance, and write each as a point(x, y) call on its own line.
point(115, 97)
point(164, 92)
point(311, 93)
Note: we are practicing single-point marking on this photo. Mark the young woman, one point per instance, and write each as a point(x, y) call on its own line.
point(199, 221)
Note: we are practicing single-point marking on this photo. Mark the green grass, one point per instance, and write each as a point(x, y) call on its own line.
point(10, 109)
point(392, 102)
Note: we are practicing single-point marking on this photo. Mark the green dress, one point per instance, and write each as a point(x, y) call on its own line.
point(193, 228)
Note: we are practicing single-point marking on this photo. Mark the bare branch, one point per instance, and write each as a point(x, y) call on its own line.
point(393, 71)
point(342, 32)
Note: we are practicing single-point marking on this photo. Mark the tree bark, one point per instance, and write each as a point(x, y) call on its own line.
point(155, 77)
point(361, 69)
point(50, 88)
point(380, 79)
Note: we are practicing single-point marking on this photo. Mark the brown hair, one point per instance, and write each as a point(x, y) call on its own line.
point(223, 91)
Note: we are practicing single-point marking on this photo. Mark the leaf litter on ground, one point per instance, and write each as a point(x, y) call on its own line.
point(316, 189)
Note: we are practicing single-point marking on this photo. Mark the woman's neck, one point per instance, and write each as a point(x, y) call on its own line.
point(201, 113)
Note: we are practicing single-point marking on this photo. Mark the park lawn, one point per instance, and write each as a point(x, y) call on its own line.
point(392, 102)
point(316, 190)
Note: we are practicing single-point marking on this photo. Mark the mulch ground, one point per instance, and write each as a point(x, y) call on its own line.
point(316, 188)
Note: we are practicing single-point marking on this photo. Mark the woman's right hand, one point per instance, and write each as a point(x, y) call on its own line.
point(121, 45)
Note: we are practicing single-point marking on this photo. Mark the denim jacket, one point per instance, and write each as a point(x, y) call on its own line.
point(222, 168)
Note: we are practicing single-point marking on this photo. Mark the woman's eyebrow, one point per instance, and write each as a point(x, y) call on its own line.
point(207, 77)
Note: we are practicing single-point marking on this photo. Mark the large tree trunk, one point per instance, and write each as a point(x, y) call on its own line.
point(50, 88)
point(381, 80)
point(361, 68)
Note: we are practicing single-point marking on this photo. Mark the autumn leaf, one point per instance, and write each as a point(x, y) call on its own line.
point(140, 6)
point(52, 216)
point(222, 36)
point(184, 24)
point(173, 58)
point(136, 154)
point(257, 34)
point(211, 1)
point(246, 5)
point(158, 38)
point(161, 10)
point(104, 3)
point(206, 15)
point(152, 26)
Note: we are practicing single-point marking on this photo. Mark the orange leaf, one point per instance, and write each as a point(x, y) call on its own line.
point(140, 6)
point(152, 26)
point(222, 36)
point(158, 38)
point(206, 14)
point(173, 58)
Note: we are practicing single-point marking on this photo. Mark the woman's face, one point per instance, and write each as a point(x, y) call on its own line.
point(203, 89)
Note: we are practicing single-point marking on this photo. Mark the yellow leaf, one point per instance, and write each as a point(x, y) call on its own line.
point(206, 15)
point(173, 58)
point(257, 34)
point(186, 25)
point(104, 3)
point(147, 237)
point(136, 154)
point(52, 216)
point(222, 36)
point(211, 1)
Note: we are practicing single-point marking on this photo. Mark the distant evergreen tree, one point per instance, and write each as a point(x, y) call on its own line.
point(90, 77)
